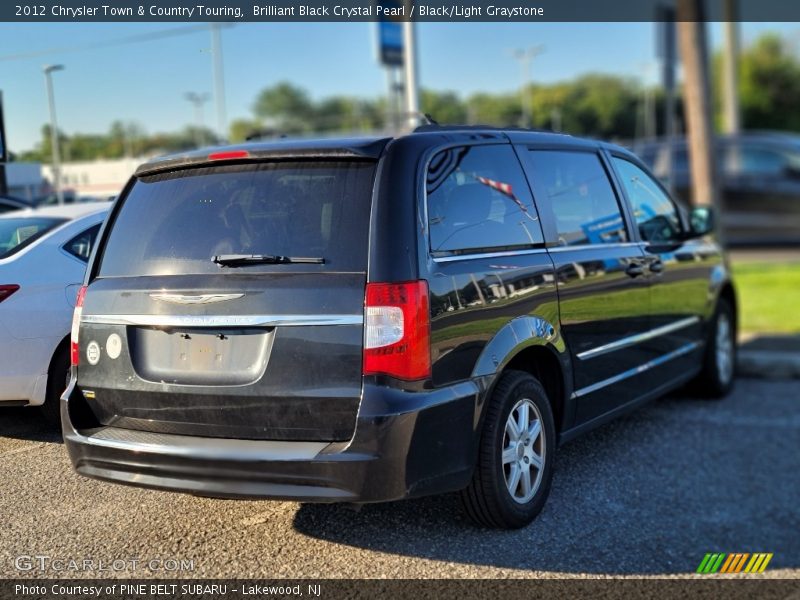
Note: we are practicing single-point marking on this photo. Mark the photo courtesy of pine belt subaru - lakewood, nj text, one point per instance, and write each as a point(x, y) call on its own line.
point(365, 320)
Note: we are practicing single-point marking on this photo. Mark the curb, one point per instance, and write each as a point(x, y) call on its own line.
point(766, 364)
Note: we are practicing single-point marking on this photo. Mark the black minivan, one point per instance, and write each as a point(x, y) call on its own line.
point(365, 320)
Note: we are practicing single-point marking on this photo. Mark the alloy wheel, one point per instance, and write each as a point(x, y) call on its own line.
point(523, 451)
point(724, 348)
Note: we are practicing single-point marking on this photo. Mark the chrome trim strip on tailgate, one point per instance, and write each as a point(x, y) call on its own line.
point(202, 447)
point(639, 337)
point(196, 299)
point(223, 320)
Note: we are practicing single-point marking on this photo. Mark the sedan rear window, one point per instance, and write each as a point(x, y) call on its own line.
point(176, 223)
point(17, 233)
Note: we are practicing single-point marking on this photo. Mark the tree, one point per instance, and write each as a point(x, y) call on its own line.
point(343, 113)
point(240, 129)
point(490, 109)
point(769, 85)
point(444, 107)
point(286, 107)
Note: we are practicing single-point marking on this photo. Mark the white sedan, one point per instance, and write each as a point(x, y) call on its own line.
point(43, 256)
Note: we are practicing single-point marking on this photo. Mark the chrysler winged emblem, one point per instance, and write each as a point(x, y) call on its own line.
point(198, 299)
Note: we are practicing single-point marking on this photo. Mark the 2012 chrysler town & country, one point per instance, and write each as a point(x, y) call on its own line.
point(365, 320)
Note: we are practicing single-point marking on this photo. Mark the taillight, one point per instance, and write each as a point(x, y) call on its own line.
point(7, 290)
point(397, 330)
point(76, 327)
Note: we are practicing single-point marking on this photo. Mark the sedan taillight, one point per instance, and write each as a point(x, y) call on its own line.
point(76, 327)
point(7, 290)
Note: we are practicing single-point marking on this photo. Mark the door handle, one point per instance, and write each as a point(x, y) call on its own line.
point(634, 270)
point(656, 266)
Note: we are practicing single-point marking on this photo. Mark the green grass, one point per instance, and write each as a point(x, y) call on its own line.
point(769, 296)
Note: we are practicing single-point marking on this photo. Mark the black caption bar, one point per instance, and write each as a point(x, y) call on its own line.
point(329, 589)
point(372, 10)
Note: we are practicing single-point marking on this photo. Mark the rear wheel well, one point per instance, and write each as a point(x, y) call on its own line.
point(63, 346)
point(729, 295)
point(544, 366)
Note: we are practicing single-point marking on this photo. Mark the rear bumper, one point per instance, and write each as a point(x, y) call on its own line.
point(405, 444)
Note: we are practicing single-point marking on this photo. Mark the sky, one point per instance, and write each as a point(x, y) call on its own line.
point(146, 82)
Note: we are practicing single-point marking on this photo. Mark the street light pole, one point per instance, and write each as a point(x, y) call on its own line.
point(219, 79)
point(48, 81)
point(198, 100)
point(525, 58)
point(411, 75)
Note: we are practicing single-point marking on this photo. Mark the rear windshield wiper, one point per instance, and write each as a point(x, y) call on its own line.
point(240, 260)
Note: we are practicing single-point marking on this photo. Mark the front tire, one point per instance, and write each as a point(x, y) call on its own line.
point(719, 364)
point(515, 459)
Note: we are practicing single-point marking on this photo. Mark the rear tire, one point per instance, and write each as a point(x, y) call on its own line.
point(57, 380)
point(719, 363)
point(515, 458)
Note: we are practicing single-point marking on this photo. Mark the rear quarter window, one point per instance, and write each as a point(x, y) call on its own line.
point(174, 223)
point(81, 245)
point(478, 199)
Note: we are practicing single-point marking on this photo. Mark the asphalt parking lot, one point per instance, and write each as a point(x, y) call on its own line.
point(649, 494)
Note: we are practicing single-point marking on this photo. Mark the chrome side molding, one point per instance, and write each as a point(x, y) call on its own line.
point(637, 370)
point(638, 338)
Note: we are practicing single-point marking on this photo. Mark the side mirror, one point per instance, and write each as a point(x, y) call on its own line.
point(701, 221)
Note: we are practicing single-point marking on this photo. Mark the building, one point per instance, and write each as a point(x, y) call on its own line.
point(25, 180)
point(100, 179)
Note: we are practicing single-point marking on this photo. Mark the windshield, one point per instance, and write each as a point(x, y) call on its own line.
point(17, 233)
point(176, 223)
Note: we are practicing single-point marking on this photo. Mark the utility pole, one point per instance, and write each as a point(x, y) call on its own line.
point(219, 79)
point(667, 52)
point(730, 95)
point(697, 103)
point(525, 58)
point(411, 73)
point(4, 153)
point(648, 119)
point(555, 120)
point(48, 83)
point(198, 100)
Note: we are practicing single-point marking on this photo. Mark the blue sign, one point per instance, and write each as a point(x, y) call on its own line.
point(390, 39)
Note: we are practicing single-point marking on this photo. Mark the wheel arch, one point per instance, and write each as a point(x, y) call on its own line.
point(728, 293)
point(63, 345)
point(533, 345)
point(541, 362)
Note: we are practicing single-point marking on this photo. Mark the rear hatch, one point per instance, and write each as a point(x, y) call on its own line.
point(227, 301)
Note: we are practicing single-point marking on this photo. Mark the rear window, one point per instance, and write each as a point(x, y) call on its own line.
point(175, 223)
point(15, 234)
